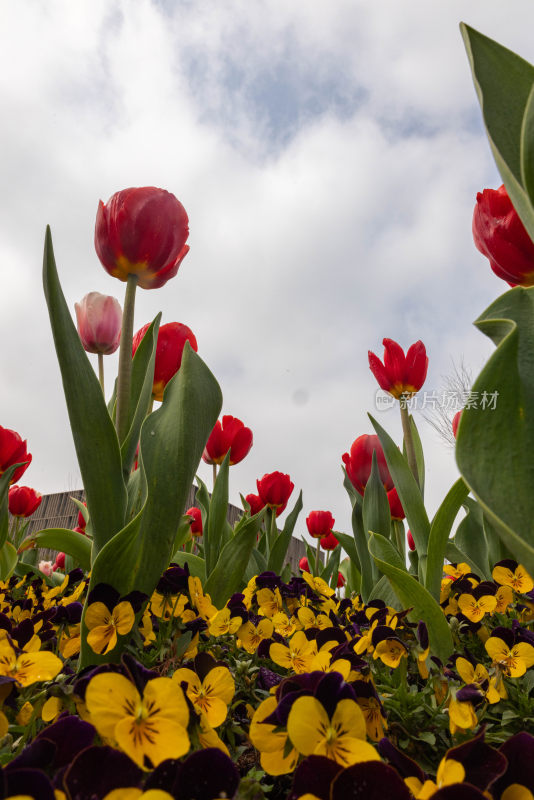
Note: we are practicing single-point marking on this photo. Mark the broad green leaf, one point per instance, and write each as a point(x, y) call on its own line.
point(279, 549)
point(256, 565)
point(456, 556)
point(197, 566)
point(349, 546)
point(383, 590)
point(419, 454)
point(172, 441)
point(142, 381)
point(527, 146)
point(470, 537)
point(384, 550)
point(330, 572)
point(5, 480)
point(8, 560)
point(352, 576)
point(362, 548)
point(503, 82)
point(354, 495)
point(95, 440)
point(66, 541)
point(407, 489)
point(182, 534)
point(412, 595)
point(214, 532)
point(227, 575)
point(376, 511)
point(439, 534)
point(495, 444)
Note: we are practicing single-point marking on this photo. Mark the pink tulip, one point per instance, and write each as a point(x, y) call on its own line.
point(99, 320)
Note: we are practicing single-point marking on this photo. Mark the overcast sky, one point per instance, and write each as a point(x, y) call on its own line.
point(328, 154)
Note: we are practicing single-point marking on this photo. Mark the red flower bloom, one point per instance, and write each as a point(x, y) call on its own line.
point(340, 580)
point(23, 501)
point(395, 505)
point(500, 235)
point(329, 542)
point(59, 562)
point(230, 435)
point(320, 523)
point(303, 564)
point(196, 522)
point(13, 451)
point(456, 422)
point(400, 374)
point(358, 464)
point(274, 490)
point(255, 502)
point(81, 518)
point(411, 543)
point(99, 319)
point(169, 349)
point(142, 231)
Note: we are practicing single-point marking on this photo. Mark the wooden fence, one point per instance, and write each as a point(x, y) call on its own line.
point(59, 511)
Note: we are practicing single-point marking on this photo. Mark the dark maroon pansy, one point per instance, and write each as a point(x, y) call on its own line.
point(27, 782)
point(314, 776)
point(204, 775)
point(96, 771)
point(519, 752)
point(369, 780)
point(483, 764)
point(174, 580)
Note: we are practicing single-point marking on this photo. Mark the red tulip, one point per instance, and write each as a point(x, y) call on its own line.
point(255, 502)
point(230, 435)
point(196, 522)
point(329, 542)
point(169, 349)
point(303, 564)
point(60, 562)
point(13, 451)
point(78, 529)
point(400, 374)
point(358, 464)
point(142, 231)
point(275, 489)
point(99, 319)
point(340, 580)
point(320, 523)
point(395, 505)
point(411, 543)
point(456, 422)
point(23, 501)
point(81, 519)
point(500, 235)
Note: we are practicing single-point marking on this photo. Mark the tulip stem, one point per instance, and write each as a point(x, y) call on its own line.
point(125, 358)
point(408, 439)
point(214, 474)
point(317, 551)
point(101, 372)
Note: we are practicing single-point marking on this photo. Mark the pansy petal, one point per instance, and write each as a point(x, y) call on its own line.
point(109, 698)
point(307, 719)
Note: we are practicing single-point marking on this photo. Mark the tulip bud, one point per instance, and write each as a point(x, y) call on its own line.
point(340, 580)
point(395, 505)
point(142, 231)
point(60, 561)
point(411, 543)
point(169, 350)
point(196, 522)
point(456, 422)
point(360, 461)
point(304, 565)
point(13, 451)
point(329, 542)
point(500, 235)
point(99, 319)
point(274, 490)
point(255, 502)
point(320, 523)
point(23, 501)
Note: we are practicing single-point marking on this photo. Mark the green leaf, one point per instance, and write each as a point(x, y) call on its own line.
point(172, 441)
point(349, 546)
point(69, 542)
point(95, 440)
point(419, 454)
point(376, 511)
point(412, 594)
point(8, 560)
point(495, 445)
point(140, 393)
point(227, 575)
point(470, 537)
point(384, 550)
point(5, 480)
point(383, 590)
point(439, 534)
point(279, 549)
point(362, 548)
point(354, 495)
point(330, 572)
point(503, 82)
point(352, 576)
point(456, 556)
point(218, 511)
point(408, 491)
point(182, 534)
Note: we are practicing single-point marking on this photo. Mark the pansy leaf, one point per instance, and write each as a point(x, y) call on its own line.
point(439, 535)
point(503, 82)
point(95, 440)
point(412, 594)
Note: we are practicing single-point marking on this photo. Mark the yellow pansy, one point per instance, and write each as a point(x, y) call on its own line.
point(513, 661)
point(298, 655)
point(105, 625)
point(449, 772)
point(250, 635)
point(150, 726)
point(519, 579)
point(210, 696)
point(28, 668)
point(275, 757)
